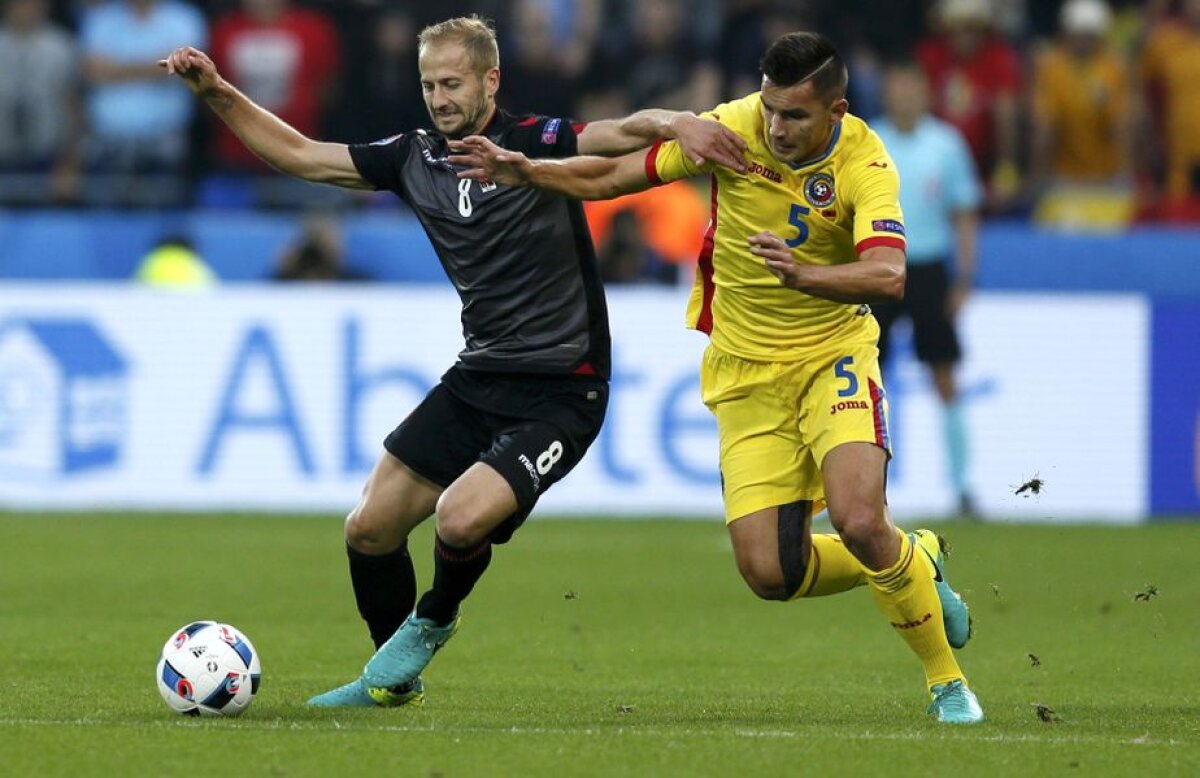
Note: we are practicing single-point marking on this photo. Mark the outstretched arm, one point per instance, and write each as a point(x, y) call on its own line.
point(703, 140)
point(275, 141)
point(877, 276)
point(584, 178)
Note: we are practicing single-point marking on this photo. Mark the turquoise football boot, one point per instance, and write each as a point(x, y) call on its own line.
point(956, 616)
point(357, 694)
point(954, 703)
point(406, 653)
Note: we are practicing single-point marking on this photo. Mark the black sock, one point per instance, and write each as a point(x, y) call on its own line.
point(385, 588)
point(455, 571)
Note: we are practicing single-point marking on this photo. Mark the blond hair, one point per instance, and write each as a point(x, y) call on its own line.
point(475, 33)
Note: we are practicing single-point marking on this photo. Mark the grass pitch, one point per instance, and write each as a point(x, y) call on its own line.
point(597, 648)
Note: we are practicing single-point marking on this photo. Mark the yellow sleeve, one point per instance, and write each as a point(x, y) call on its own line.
point(874, 194)
point(666, 161)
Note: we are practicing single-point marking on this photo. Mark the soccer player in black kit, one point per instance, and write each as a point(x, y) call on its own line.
point(529, 391)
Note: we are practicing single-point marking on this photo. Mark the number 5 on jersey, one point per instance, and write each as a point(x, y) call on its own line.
point(796, 219)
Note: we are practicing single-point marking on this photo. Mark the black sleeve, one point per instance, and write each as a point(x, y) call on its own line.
point(542, 136)
point(380, 163)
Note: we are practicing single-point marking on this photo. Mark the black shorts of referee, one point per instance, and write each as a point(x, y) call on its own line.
point(926, 296)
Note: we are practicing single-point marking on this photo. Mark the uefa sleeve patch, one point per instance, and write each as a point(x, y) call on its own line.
point(887, 225)
point(550, 132)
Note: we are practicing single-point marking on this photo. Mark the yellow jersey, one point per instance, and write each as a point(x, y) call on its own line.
point(1084, 101)
point(828, 209)
point(1171, 67)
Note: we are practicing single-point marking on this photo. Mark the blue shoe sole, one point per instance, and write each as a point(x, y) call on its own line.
point(356, 694)
point(352, 695)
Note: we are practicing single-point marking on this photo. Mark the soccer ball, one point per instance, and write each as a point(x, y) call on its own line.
point(208, 669)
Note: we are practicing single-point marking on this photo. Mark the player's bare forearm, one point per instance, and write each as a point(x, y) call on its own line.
point(614, 137)
point(583, 178)
point(877, 276)
point(703, 140)
point(586, 178)
point(274, 141)
point(279, 144)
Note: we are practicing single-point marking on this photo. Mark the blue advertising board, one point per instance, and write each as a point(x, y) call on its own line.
point(1175, 409)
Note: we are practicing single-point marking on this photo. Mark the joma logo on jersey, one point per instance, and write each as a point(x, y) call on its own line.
point(849, 405)
point(765, 172)
point(913, 624)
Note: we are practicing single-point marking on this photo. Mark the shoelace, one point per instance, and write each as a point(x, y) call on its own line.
point(948, 697)
point(427, 637)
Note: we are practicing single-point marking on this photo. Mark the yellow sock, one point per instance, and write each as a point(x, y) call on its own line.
point(906, 595)
point(832, 569)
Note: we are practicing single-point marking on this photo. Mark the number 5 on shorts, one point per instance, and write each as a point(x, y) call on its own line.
point(842, 370)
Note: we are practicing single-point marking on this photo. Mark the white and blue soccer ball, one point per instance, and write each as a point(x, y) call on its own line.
point(208, 669)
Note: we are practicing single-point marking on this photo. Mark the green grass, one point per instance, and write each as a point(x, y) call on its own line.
point(596, 648)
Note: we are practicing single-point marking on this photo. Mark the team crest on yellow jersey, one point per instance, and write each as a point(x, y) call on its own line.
point(819, 190)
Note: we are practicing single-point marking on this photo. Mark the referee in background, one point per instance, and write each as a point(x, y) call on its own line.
point(940, 195)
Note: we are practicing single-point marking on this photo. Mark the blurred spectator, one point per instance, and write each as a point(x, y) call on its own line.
point(39, 109)
point(318, 255)
point(542, 63)
point(660, 65)
point(743, 41)
point(384, 76)
point(625, 258)
point(976, 79)
point(286, 59)
point(1170, 70)
point(174, 264)
point(750, 26)
point(1082, 124)
point(649, 235)
point(870, 33)
point(940, 196)
point(138, 119)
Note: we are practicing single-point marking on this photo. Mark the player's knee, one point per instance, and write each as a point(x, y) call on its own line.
point(765, 580)
point(860, 527)
point(460, 526)
point(367, 535)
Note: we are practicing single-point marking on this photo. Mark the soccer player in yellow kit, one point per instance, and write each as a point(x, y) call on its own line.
point(802, 237)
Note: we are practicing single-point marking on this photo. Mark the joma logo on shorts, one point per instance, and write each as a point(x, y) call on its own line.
point(533, 473)
point(913, 624)
point(849, 405)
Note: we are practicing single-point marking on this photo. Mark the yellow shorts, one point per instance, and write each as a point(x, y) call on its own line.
point(778, 420)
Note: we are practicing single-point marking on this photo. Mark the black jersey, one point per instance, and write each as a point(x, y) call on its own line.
point(521, 258)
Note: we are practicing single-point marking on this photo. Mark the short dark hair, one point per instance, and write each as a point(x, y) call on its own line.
point(806, 56)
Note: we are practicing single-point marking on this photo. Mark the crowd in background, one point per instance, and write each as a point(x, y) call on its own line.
point(1072, 109)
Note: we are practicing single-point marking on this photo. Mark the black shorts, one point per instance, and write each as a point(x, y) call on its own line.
point(532, 429)
point(926, 292)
